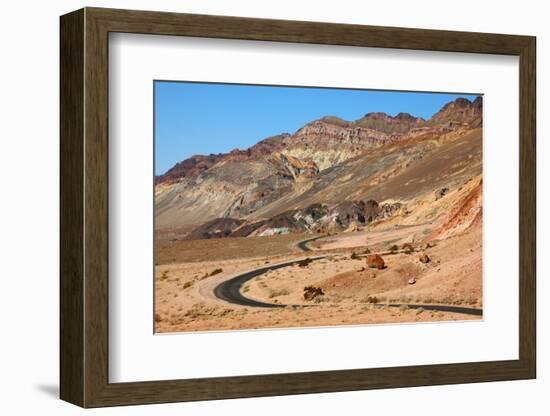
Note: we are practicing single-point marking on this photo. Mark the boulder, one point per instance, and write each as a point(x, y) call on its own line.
point(311, 292)
point(374, 261)
point(423, 258)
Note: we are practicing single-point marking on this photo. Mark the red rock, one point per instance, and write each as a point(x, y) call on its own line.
point(424, 258)
point(375, 261)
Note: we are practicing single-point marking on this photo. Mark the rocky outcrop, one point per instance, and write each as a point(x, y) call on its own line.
point(389, 210)
point(260, 150)
point(329, 144)
point(372, 210)
point(187, 168)
point(399, 124)
point(317, 218)
point(296, 167)
point(466, 214)
point(348, 212)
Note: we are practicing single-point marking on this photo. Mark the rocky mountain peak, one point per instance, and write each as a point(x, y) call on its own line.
point(478, 103)
point(408, 117)
point(382, 122)
point(376, 116)
point(459, 112)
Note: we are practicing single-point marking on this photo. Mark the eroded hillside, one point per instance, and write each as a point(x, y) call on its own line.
point(323, 177)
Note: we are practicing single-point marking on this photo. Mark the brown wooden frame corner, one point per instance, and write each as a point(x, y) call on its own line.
point(84, 207)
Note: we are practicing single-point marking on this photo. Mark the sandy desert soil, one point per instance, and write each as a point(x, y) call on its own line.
point(181, 251)
point(353, 292)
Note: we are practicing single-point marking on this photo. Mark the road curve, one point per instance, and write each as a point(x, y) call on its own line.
point(303, 245)
point(230, 290)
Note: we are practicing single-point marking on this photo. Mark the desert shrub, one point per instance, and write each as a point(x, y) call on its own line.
point(407, 248)
point(158, 318)
point(164, 275)
point(448, 300)
point(278, 292)
point(215, 272)
point(366, 250)
point(354, 256)
point(225, 312)
point(370, 299)
point(305, 262)
point(246, 289)
point(193, 313)
point(394, 248)
point(188, 284)
point(472, 300)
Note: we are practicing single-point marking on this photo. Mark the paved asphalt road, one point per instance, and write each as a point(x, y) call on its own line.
point(303, 245)
point(230, 291)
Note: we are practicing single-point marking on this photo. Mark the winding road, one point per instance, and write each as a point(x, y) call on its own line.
point(303, 245)
point(230, 291)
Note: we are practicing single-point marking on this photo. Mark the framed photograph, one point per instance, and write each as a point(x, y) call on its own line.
point(255, 207)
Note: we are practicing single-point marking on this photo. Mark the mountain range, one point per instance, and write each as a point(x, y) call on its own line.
point(328, 175)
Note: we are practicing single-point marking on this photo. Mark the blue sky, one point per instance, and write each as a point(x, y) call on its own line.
point(203, 118)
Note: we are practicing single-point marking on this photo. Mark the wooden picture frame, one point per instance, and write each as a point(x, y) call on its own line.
point(84, 207)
